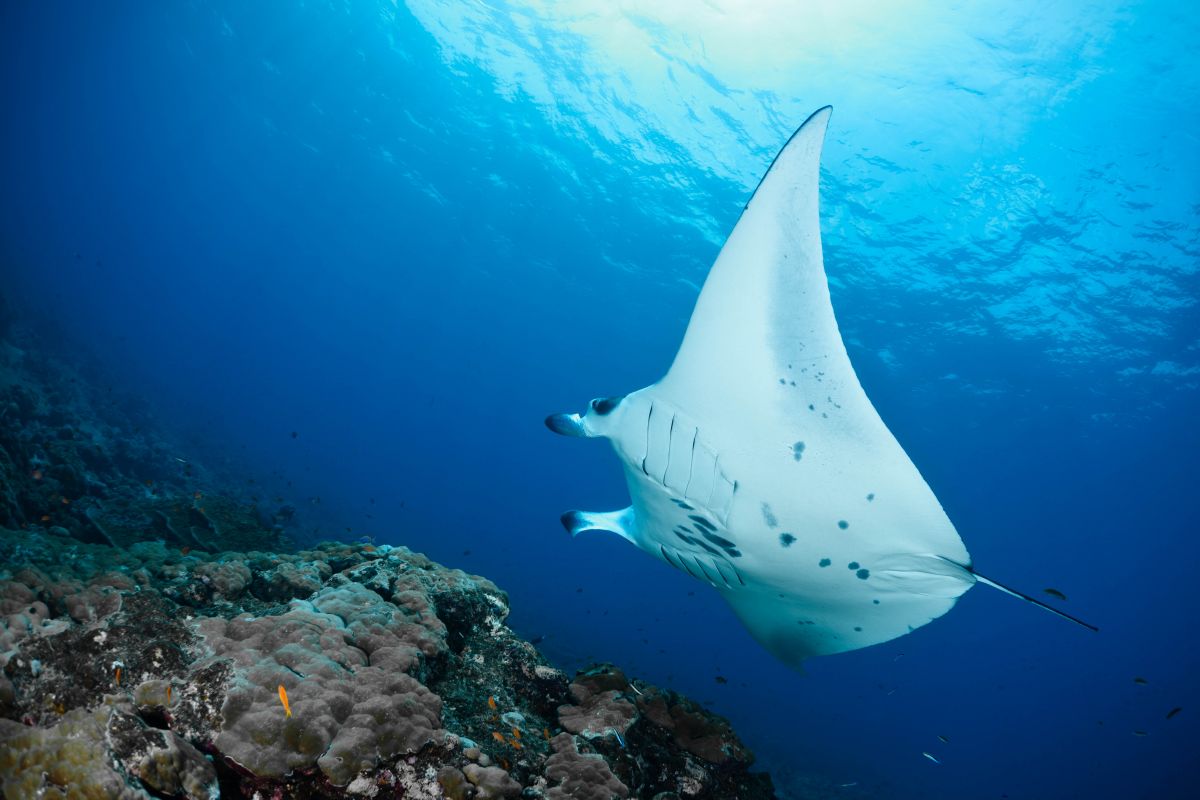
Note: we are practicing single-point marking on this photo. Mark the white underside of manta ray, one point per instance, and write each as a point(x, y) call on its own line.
point(759, 466)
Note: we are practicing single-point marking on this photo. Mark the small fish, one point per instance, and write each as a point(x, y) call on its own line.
point(1140, 733)
point(944, 738)
point(168, 696)
point(515, 743)
point(183, 551)
point(1174, 711)
point(66, 502)
point(197, 495)
point(546, 733)
point(45, 517)
point(491, 702)
point(516, 733)
point(721, 679)
point(1140, 681)
point(931, 758)
point(847, 785)
point(620, 739)
point(1055, 593)
point(118, 676)
point(498, 736)
point(283, 699)
point(295, 434)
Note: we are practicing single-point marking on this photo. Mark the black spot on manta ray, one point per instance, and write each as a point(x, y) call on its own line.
point(702, 522)
point(843, 524)
point(798, 450)
point(769, 516)
point(824, 562)
point(870, 497)
point(852, 565)
point(786, 539)
point(863, 574)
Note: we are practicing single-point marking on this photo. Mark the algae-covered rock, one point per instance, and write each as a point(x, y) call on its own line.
point(106, 752)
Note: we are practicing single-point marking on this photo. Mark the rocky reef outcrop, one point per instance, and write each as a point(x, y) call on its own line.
point(339, 671)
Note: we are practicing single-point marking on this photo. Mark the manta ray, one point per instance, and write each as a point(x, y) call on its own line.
point(758, 464)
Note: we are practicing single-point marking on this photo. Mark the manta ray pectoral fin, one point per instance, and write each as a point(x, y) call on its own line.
point(567, 425)
point(1022, 596)
point(618, 522)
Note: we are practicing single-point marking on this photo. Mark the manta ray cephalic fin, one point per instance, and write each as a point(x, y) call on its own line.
point(618, 522)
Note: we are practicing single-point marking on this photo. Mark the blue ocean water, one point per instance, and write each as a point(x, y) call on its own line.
point(407, 232)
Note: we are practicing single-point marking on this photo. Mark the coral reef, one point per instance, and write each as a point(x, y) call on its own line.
point(158, 639)
point(149, 672)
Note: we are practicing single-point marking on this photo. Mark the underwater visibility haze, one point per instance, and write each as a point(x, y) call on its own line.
point(353, 253)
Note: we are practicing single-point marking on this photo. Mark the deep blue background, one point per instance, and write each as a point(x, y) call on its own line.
point(410, 233)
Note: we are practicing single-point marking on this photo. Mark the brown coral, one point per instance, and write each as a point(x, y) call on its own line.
point(578, 776)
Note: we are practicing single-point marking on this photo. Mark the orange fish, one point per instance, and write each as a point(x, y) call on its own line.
point(546, 733)
point(516, 733)
point(45, 517)
point(118, 676)
point(37, 474)
point(168, 696)
point(197, 495)
point(491, 703)
point(499, 737)
point(515, 743)
point(283, 699)
point(66, 502)
point(183, 551)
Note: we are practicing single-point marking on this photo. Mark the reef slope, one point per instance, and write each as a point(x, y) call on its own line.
point(149, 672)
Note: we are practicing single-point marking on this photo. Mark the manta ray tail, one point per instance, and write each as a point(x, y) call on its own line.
point(1022, 596)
